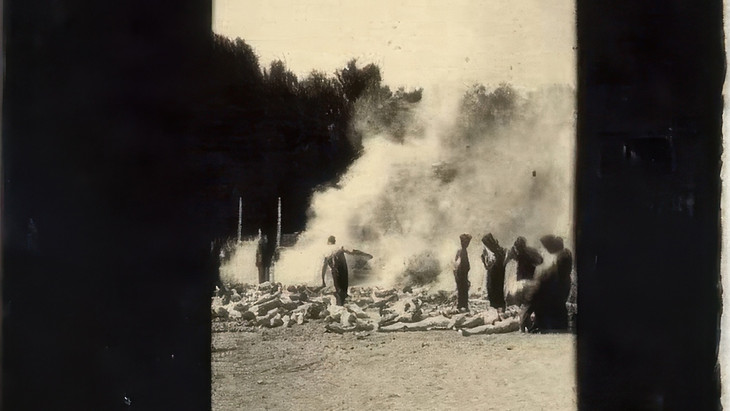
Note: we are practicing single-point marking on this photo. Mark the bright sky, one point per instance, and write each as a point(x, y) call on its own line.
point(415, 42)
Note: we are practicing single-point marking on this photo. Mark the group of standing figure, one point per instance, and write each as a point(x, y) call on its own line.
point(545, 297)
point(548, 294)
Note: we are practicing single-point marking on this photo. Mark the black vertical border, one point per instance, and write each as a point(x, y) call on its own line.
point(650, 78)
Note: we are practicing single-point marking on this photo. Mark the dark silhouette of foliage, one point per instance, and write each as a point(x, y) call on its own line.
point(235, 69)
point(410, 96)
point(279, 79)
point(356, 81)
point(264, 133)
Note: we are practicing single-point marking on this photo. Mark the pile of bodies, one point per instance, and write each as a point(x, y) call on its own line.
point(249, 307)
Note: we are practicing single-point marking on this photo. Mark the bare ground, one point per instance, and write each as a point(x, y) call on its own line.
point(303, 368)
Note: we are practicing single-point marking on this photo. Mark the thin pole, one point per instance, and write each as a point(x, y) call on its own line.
point(278, 225)
point(272, 270)
point(240, 219)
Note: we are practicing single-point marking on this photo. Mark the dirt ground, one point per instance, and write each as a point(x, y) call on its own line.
point(304, 368)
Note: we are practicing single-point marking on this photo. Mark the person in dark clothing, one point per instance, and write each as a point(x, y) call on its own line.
point(527, 259)
point(217, 252)
point(558, 287)
point(553, 288)
point(337, 263)
point(461, 273)
point(261, 262)
point(494, 258)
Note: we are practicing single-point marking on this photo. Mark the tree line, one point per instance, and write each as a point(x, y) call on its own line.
point(265, 133)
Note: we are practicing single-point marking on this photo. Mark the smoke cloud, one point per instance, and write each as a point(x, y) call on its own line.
point(239, 263)
point(474, 161)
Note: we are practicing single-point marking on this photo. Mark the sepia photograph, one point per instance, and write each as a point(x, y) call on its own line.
point(412, 186)
point(363, 205)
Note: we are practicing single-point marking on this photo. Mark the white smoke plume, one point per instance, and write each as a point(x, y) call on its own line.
point(239, 263)
point(407, 200)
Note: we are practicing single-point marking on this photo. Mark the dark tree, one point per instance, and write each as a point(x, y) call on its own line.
point(356, 81)
point(279, 79)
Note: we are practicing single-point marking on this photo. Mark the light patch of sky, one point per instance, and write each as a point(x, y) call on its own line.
point(416, 43)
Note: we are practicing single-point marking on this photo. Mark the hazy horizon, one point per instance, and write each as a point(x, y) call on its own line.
point(415, 43)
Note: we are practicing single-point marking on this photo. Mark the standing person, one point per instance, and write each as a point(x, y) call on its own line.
point(215, 258)
point(461, 273)
point(558, 286)
point(261, 263)
point(527, 259)
point(494, 258)
point(552, 290)
point(337, 262)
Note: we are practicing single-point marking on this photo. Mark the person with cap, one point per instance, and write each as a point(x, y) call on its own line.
point(527, 259)
point(494, 258)
point(461, 273)
point(337, 262)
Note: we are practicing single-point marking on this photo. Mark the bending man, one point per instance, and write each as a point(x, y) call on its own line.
point(337, 262)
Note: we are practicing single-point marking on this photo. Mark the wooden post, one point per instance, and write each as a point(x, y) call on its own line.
point(240, 215)
point(278, 225)
point(272, 269)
